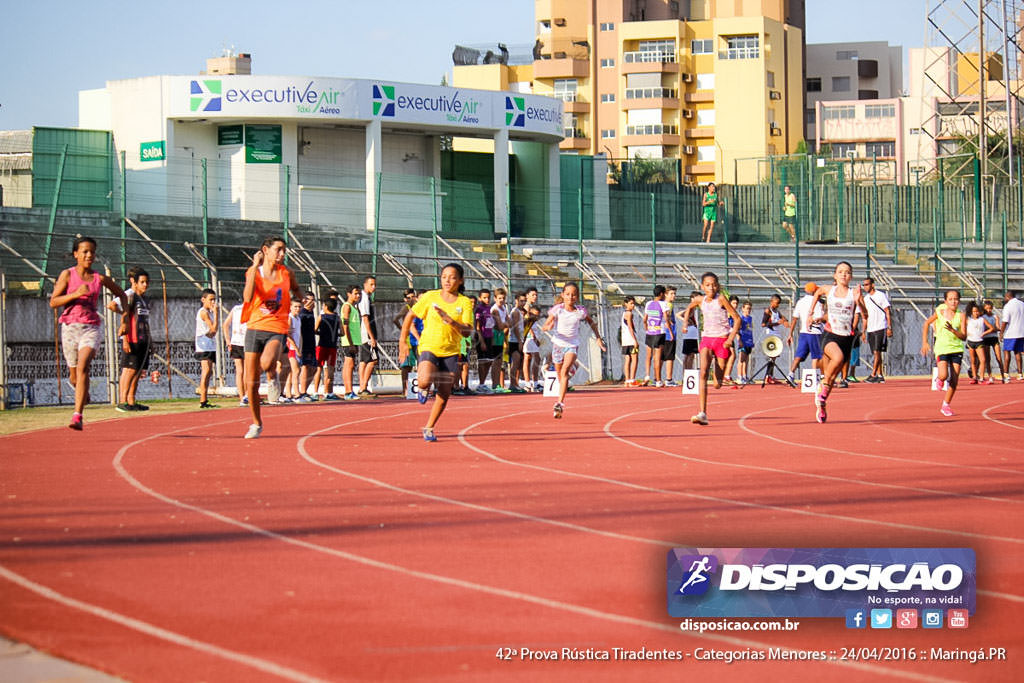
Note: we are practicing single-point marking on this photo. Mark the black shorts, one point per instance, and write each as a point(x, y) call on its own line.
point(973, 344)
point(137, 357)
point(654, 340)
point(350, 351)
point(844, 342)
point(448, 364)
point(236, 352)
point(691, 346)
point(485, 351)
point(878, 341)
point(990, 341)
point(463, 358)
point(206, 355)
point(308, 358)
point(257, 340)
point(513, 347)
point(668, 349)
point(368, 354)
point(951, 358)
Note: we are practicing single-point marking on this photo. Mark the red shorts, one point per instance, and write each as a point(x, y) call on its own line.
point(716, 344)
point(325, 356)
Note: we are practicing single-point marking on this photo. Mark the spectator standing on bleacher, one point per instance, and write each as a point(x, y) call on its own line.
point(878, 329)
point(368, 354)
point(789, 212)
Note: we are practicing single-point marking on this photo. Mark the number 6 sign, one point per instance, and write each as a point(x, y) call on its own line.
point(690, 381)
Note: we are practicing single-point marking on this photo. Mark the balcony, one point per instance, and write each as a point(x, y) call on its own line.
point(652, 134)
point(699, 97)
point(651, 98)
point(705, 132)
point(649, 62)
point(573, 105)
point(565, 67)
point(575, 138)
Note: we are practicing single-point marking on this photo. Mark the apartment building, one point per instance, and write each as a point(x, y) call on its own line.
point(706, 81)
point(851, 71)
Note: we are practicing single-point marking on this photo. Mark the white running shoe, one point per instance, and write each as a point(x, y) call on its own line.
point(254, 432)
point(558, 411)
point(700, 418)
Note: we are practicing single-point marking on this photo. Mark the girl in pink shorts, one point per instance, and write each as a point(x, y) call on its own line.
point(721, 325)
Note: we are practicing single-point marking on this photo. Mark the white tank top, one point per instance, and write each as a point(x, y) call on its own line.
point(515, 332)
point(567, 325)
point(625, 331)
point(237, 326)
point(203, 343)
point(716, 320)
point(975, 326)
point(840, 311)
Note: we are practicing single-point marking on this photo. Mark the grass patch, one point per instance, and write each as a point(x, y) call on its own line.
point(44, 417)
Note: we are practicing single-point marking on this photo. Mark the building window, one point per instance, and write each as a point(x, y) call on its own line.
point(845, 55)
point(879, 111)
point(741, 47)
point(840, 84)
point(607, 63)
point(607, 133)
point(607, 97)
point(880, 149)
point(809, 116)
point(705, 81)
point(645, 93)
point(814, 84)
point(571, 126)
point(835, 113)
point(770, 79)
point(663, 47)
point(916, 131)
point(607, 26)
point(544, 26)
point(702, 47)
point(705, 153)
point(843, 150)
point(565, 89)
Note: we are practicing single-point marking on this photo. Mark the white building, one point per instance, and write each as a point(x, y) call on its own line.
point(326, 139)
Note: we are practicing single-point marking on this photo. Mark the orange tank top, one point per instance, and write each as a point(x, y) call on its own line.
point(271, 301)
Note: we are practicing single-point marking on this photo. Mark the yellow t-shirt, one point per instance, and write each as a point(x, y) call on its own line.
point(438, 337)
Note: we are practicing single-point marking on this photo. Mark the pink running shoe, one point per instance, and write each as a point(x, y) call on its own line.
point(76, 422)
point(946, 410)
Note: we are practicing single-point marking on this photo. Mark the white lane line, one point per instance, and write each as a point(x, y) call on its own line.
point(470, 585)
point(872, 456)
point(461, 503)
point(985, 414)
point(716, 499)
point(776, 470)
point(157, 632)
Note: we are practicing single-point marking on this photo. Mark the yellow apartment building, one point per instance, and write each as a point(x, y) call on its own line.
point(709, 82)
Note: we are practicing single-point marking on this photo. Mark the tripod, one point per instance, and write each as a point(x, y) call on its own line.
point(768, 369)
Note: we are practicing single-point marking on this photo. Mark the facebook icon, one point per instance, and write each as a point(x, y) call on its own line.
point(856, 618)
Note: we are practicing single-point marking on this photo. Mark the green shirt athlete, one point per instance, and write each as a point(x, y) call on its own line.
point(711, 206)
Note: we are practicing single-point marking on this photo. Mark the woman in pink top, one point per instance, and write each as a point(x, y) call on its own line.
point(78, 290)
point(721, 325)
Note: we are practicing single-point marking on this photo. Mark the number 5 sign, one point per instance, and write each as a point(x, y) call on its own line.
point(809, 382)
point(690, 381)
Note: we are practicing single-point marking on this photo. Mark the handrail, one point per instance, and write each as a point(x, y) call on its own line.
point(879, 270)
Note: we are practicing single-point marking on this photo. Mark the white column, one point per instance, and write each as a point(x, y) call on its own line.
point(555, 190)
point(373, 166)
point(501, 182)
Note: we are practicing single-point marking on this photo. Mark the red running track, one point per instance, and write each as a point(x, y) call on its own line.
point(340, 546)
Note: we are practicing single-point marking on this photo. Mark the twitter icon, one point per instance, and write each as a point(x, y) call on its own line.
point(881, 618)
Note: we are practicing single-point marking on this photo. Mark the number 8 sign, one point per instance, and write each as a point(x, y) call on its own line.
point(690, 381)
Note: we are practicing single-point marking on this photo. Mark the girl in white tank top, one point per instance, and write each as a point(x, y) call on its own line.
point(721, 325)
point(841, 303)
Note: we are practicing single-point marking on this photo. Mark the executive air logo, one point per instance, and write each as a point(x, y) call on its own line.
point(383, 100)
point(515, 111)
point(817, 582)
point(206, 95)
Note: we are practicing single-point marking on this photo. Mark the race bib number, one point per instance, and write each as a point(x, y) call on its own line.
point(690, 379)
point(551, 383)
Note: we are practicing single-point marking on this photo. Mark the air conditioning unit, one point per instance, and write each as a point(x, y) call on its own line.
point(687, 113)
point(777, 132)
point(774, 95)
point(687, 78)
point(688, 179)
point(689, 149)
point(559, 21)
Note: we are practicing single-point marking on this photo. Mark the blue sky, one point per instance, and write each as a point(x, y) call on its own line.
point(51, 49)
